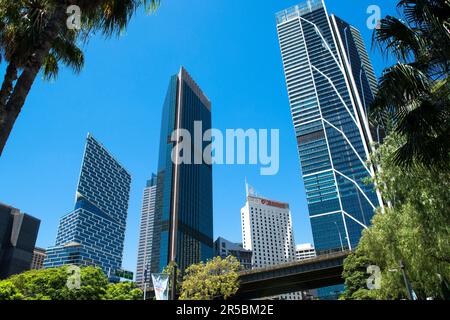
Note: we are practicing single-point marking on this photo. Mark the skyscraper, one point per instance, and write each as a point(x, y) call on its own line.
point(183, 229)
point(267, 232)
point(146, 232)
point(330, 83)
point(94, 233)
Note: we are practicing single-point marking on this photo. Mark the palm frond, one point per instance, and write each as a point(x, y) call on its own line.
point(68, 53)
point(396, 37)
point(400, 87)
point(50, 67)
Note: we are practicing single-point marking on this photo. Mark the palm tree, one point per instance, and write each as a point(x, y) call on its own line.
point(413, 98)
point(34, 37)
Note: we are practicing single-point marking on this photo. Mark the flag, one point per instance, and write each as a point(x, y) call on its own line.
point(161, 286)
point(414, 295)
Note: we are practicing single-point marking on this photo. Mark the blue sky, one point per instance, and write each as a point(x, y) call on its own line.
point(229, 47)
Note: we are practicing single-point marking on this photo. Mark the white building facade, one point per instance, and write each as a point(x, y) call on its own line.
point(267, 232)
point(146, 232)
point(305, 251)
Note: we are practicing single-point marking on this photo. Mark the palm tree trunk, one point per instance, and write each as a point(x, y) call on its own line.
point(11, 110)
point(8, 85)
point(5, 91)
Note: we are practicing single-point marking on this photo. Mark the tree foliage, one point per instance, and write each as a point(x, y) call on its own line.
point(415, 228)
point(218, 278)
point(413, 98)
point(51, 284)
point(123, 291)
point(169, 269)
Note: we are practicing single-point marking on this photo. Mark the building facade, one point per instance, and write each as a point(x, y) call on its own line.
point(146, 232)
point(94, 232)
point(39, 255)
point(224, 248)
point(183, 225)
point(304, 252)
point(18, 234)
point(267, 232)
point(327, 83)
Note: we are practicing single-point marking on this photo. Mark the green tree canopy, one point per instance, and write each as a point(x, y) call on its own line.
point(52, 284)
point(415, 228)
point(218, 278)
point(123, 291)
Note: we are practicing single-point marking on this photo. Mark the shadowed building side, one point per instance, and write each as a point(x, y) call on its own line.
point(18, 234)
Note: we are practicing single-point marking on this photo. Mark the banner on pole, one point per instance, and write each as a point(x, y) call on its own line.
point(161, 286)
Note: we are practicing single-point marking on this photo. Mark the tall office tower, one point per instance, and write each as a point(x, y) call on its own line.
point(18, 233)
point(94, 233)
point(146, 232)
point(330, 82)
point(267, 232)
point(183, 229)
point(304, 251)
point(360, 70)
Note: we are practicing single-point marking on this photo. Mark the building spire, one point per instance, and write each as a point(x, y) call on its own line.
point(246, 187)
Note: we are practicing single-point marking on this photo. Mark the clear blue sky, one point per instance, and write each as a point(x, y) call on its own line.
point(230, 47)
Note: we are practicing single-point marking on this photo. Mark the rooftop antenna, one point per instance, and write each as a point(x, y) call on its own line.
point(246, 187)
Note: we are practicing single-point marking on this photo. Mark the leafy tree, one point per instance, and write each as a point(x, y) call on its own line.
point(123, 291)
point(169, 269)
point(415, 228)
point(8, 291)
point(413, 94)
point(355, 275)
point(51, 284)
point(218, 278)
point(34, 36)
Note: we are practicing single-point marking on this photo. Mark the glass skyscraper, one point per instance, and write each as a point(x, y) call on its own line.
point(183, 224)
point(330, 83)
point(94, 233)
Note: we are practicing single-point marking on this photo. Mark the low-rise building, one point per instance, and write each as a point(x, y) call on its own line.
point(37, 262)
point(224, 248)
point(18, 234)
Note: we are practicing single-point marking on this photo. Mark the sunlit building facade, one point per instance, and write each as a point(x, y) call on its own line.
point(183, 224)
point(322, 56)
point(330, 84)
point(93, 234)
point(146, 233)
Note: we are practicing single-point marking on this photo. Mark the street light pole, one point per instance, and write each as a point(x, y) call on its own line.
point(145, 291)
point(174, 283)
point(405, 279)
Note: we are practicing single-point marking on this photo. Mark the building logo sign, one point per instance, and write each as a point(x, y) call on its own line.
point(274, 204)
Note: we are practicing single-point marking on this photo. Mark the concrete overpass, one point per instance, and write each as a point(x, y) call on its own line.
point(325, 270)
